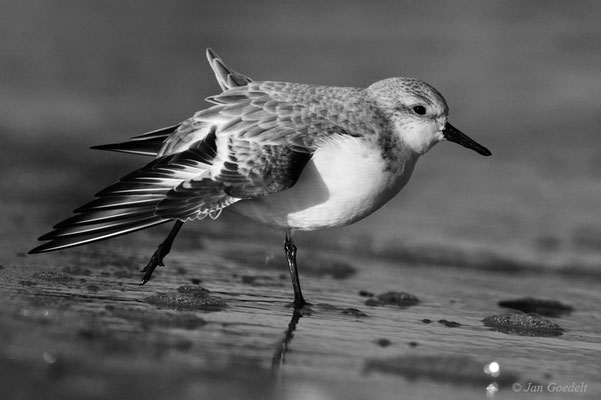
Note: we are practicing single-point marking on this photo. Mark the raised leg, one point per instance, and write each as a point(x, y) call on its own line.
point(161, 252)
point(290, 249)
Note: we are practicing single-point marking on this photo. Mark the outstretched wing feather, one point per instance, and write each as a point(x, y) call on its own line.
point(148, 144)
point(255, 141)
point(133, 202)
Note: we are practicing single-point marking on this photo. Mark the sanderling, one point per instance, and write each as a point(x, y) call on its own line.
point(290, 155)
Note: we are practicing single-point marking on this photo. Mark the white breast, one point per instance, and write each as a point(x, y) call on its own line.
point(345, 181)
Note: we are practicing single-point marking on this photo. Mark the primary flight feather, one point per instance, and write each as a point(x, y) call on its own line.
point(289, 155)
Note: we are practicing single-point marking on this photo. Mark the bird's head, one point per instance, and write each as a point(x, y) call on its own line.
point(417, 114)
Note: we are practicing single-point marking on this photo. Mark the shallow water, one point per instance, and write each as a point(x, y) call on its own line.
point(467, 233)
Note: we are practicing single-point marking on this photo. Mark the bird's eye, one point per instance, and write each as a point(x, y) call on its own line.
point(419, 110)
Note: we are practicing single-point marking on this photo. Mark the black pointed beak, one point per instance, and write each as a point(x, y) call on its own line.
point(453, 134)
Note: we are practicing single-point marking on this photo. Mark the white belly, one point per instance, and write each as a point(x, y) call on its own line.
point(345, 181)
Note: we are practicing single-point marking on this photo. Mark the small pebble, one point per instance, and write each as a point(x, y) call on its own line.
point(400, 299)
point(522, 324)
point(450, 324)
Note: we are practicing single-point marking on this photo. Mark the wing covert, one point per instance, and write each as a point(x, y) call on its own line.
point(265, 133)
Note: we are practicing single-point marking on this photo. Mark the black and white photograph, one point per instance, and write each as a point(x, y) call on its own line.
point(313, 200)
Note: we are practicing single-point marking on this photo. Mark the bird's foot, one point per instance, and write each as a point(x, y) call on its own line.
point(155, 260)
point(299, 305)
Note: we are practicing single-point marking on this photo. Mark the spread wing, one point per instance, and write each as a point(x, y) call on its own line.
point(277, 113)
point(265, 133)
point(132, 203)
point(254, 141)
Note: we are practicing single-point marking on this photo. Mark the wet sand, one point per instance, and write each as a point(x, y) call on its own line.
point(409, 303)
point(215, 322)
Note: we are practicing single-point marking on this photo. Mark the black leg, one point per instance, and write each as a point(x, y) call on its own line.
point(161, 252)
point(290, 249)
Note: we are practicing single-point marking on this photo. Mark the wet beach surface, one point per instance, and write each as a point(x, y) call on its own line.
point(479, 260)
point(77, 325)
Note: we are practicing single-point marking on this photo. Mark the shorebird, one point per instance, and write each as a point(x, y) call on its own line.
point(289, 155)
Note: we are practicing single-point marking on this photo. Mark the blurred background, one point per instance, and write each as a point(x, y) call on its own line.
point(522, 78)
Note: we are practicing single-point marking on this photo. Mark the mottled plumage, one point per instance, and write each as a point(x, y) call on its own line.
point(290, 155)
